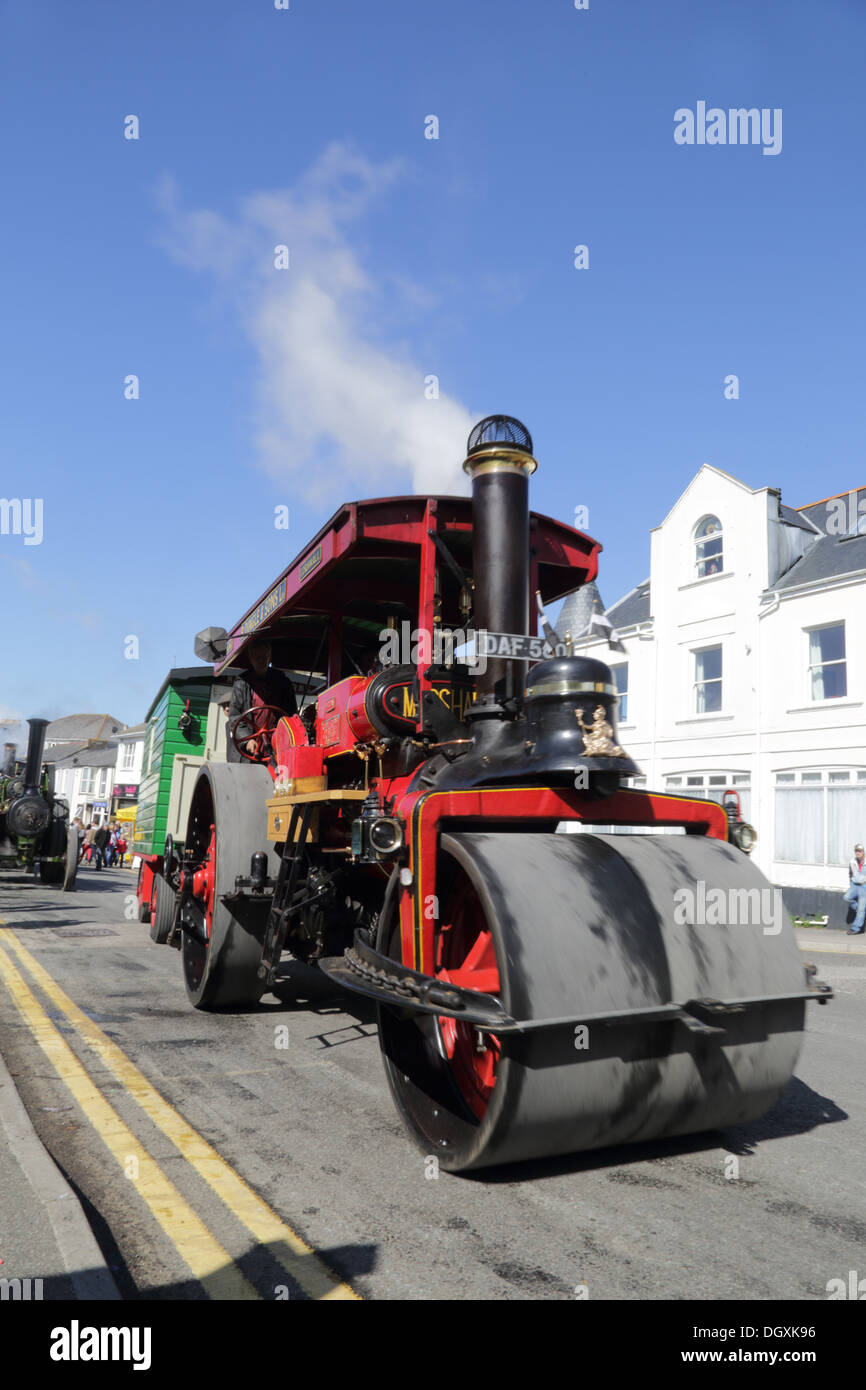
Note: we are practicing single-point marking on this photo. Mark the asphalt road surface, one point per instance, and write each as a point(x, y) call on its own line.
point(259, 1154)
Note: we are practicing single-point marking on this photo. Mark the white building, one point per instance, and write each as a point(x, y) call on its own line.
point(84, 752)
point(84, 779)
point(745, 668)
point(127, 769)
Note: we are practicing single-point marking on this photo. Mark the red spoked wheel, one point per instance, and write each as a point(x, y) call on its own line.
point(467, 958)
point(204, 884)
point(449, 1078)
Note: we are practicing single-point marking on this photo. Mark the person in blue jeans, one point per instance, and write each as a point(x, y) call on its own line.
point(856, 893)
point(101, 837)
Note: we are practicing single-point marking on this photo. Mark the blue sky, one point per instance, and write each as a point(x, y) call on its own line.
point(408, 257)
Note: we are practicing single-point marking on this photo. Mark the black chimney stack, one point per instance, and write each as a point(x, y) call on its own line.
point(35, 749)
point(499, 461)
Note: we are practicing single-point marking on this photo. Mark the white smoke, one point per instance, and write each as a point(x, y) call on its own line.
point(337, 410)
point(12, 730)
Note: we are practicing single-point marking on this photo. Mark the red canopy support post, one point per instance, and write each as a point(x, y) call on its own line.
point(335, 649)
point(426, 601)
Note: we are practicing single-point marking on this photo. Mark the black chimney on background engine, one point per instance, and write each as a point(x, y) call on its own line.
point(35, 749)
point(499, 461)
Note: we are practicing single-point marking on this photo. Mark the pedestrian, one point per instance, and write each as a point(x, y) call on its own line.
point(856, 894)
point(121, 846)
point(101, 836)
point(87, 843)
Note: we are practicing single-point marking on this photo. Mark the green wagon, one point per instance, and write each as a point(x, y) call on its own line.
point(185, 728)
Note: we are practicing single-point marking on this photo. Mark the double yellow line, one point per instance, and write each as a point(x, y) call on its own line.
point(209, 1262)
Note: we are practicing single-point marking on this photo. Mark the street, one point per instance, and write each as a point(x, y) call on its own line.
point(259, 1154)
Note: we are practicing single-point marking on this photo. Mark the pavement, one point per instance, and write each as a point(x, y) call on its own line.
point(831, 942)
point(42, 1215)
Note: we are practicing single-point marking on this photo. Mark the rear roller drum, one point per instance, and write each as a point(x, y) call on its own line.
point(557, 926)
point(61, 842)
point(70, 866)
point(227, 821)
point(161, 914)
point(50, 871)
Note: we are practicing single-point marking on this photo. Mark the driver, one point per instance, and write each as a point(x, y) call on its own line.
point(261, 685)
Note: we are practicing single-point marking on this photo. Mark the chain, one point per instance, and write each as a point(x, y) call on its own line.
point(425, 991)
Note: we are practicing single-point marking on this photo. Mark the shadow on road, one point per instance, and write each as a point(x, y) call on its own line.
point(303, 989)
point(260, 1264)
point(799, 1110)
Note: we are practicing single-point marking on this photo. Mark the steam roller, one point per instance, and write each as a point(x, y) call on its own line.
point(560, 961)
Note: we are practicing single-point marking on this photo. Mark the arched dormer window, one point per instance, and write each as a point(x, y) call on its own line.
point(709, 555)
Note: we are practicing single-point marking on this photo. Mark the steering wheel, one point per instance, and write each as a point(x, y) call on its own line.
point(261, 738)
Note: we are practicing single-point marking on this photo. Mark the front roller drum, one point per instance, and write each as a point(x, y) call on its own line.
point(564, 926)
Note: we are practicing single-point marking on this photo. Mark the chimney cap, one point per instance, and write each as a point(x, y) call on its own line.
point(499, 429)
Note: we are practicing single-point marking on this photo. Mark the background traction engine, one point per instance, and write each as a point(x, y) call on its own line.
point(538, 992)
point(35, 832)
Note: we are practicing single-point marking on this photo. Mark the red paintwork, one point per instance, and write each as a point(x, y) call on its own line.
point(293, 755)
point(150, 864)
point(338, 730)
point(357, 725)
point(467, 959)
point(204, 881)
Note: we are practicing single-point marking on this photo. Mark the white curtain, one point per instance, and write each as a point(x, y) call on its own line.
point(817, 669)
point(800, 825)
point(846, 816)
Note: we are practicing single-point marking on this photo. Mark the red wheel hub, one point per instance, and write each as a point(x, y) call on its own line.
point(204, 881)
point(467, 958)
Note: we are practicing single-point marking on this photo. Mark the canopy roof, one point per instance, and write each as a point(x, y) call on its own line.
point(364, 566)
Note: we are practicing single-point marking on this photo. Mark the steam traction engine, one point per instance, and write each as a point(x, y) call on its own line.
point(537, 992)
point(34, 823)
